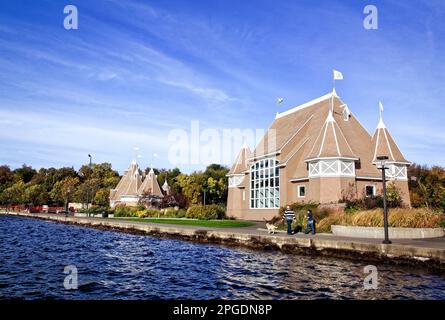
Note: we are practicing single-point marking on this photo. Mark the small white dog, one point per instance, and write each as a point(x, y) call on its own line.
point(271, 228)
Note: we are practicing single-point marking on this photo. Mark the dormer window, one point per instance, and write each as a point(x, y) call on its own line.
point(346, 113)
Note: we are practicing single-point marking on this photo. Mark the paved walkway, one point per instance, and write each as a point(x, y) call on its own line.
point(408, 249)
point(259, 229)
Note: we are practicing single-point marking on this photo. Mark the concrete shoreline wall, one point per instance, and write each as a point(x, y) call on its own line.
point(429, 257)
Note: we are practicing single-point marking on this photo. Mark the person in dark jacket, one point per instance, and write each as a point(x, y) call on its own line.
point(310, 223)
point(289, 217)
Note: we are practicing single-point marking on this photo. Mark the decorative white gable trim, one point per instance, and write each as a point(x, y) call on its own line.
point(332, 168)
point(235, 180)
point(305, 105)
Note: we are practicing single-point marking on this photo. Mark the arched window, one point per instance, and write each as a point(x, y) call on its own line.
point(265, 184)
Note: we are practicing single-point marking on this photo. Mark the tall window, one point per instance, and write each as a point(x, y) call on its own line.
point(301, 191)
point(265, 184)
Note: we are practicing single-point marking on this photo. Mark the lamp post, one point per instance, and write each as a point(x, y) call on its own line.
point(382, 160)
point(88, 189)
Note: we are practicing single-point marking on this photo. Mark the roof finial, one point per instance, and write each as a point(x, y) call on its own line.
point(381, 124)
point(330, 117)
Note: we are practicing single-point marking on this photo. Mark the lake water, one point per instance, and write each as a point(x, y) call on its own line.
point(114, 265)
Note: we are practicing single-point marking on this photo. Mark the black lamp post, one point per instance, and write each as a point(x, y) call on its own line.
point(382, 160)
point(88, 188)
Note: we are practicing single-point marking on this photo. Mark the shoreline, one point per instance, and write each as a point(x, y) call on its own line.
point(426, 253)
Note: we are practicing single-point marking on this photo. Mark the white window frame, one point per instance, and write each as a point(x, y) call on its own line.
point(264, 184)
point(298, 191)
point(374, 190)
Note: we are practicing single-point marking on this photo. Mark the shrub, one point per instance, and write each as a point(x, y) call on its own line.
point(95, 210)
point(209, 212)
point(325, 224)
point(300, 210)
point(124, 211)
point(397, 218)
point(173, 213)
point(148, 213)
point(353, 205)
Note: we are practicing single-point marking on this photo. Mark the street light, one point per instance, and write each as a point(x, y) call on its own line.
point(88, 189)
point(382, 160)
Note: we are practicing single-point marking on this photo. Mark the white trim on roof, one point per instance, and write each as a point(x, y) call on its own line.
point(293, 154)
point(305, 105)
point(275, 153)
point(376, 144)
point(369, 178)
point(389, 146)
point(299, 129)
point(347, 143)
point(336, 141)
point(235, 174)
point(400, 150)
point(324, 137)
point(298, 179)
point(331, 158)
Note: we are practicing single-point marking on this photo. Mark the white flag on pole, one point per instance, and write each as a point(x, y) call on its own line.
point(337, 75)
point(381, 106)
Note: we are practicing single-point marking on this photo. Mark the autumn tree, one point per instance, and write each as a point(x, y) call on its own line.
point(63, 190)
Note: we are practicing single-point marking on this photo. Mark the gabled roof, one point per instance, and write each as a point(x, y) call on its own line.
point(331, 142)
point(129, 184)
point(297, 134)
point(384, 145)
point(241, 162)
point(287, 124)
point(150, 185)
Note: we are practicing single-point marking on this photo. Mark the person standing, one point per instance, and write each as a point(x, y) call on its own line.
point(310, 222)
point(289, 217)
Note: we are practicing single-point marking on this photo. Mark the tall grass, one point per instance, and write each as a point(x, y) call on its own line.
point(398, 218)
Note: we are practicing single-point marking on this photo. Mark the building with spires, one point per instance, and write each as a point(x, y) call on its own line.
point(134, 187)
point(316, 152)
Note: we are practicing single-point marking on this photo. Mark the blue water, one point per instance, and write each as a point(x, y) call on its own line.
point(114, 265)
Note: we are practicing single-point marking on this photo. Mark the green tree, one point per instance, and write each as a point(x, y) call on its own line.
point(36, 195)
point(102, 197)
point(14, 194)
point(191, 187)
point(6, 177)
point(25, 173)
point(63, 190)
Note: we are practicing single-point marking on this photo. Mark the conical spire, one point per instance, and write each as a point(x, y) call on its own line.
point(166, 187)
point(331, 141)
point(130, 182)
point(384, 144)
point(150, 185)
point(240, 164)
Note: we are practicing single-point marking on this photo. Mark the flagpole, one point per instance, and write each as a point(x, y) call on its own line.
point(333, 89)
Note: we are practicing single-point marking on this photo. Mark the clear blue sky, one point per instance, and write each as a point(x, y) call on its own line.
point(134, 70)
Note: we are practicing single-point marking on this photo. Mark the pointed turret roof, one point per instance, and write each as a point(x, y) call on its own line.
point(129, 184)
point(384, 145)
point(331, 141)
point(150, 185)
point(240, 164)
point(165, 186)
